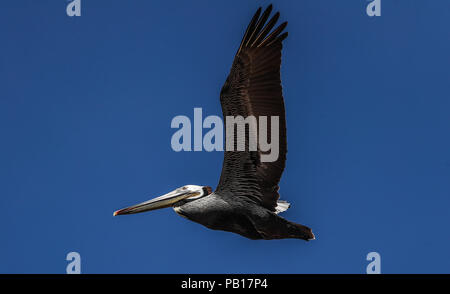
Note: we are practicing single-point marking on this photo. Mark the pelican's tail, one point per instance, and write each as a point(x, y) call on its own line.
point(303, 232)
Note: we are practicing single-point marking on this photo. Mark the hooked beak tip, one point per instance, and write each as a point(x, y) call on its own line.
point(116, 213)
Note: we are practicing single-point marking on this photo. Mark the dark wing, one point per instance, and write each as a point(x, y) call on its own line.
point(253, 87)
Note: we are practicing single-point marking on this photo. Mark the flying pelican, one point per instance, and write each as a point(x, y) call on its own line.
point(246, 199)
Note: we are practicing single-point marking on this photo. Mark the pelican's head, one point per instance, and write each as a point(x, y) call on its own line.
point(174, 198)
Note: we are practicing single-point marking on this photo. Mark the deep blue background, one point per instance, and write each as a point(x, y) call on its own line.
point(85, 111)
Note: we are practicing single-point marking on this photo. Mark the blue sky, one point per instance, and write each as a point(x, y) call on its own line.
point(85, 111)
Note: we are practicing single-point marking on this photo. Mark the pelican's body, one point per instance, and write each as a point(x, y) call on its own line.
point(221, 212)
point(246, 199)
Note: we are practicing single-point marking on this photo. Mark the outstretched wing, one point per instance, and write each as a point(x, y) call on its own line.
point(253, 88)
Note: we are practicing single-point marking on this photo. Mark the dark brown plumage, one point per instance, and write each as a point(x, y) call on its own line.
point(246, 200)
point(253, 87)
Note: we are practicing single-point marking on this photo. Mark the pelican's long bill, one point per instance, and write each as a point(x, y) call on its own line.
point(163, 201)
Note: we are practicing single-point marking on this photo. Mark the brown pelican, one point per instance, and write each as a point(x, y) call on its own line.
point(246, 198)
